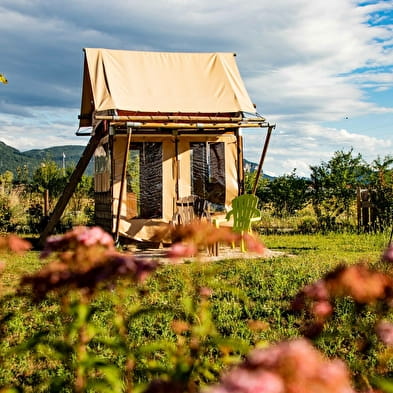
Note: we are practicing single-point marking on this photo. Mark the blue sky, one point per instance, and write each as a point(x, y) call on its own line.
point(321, 70)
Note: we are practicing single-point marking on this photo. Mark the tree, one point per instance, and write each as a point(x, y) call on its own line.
point(49, 177)
point(6, 180)
point(380, 183)
point(334, 185)
point(286, 194)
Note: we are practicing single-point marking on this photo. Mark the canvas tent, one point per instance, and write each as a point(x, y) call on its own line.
point(163, 126)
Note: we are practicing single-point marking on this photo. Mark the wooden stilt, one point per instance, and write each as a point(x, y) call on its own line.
point(269, 132)
point(74, 180)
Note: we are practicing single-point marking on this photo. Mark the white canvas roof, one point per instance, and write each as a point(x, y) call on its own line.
point(161, 82)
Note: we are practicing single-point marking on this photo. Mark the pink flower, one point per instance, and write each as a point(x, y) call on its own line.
point(317, 290)
point(14, 244)
point(253, 244)
point(384, 330)
point(95, 235)
point(387, 255)
point(244, 381)
point(182, 250)
point(289, 367)
point(205, 292)
point(322, 309)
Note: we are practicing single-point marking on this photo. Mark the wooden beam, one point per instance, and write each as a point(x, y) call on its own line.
point(165, 118)
point(74, 180)
point(123, 181)
point(194, 126)
point(269, 132)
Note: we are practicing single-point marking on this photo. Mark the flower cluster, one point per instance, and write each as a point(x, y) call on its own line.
point(288, 367)
point(188, 240)
point(362, 284)
point(14, 243)
point(86, 258)
point(81, 246)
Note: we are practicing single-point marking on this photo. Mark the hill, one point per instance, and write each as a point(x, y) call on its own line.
point(252, 166)
point(11, 159)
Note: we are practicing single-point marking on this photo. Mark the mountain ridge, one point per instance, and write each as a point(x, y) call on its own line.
point(11, 159)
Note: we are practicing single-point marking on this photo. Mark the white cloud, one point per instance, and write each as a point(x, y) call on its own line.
point(309, 144)
point(297, 57)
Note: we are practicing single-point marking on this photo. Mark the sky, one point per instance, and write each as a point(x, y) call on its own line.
point(322, 71)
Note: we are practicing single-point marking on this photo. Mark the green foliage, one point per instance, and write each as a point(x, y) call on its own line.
point(3, 79)
point(286, 194)
point(49, 177)
point(5, 214)
point(380, 184)
point(334, 185)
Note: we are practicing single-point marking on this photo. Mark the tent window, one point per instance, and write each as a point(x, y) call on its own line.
point(208, 171)
point(144, 180)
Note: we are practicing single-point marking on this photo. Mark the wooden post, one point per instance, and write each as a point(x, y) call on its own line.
point(175, 133)
point(123, 180)
point(74, 179)
point(269, 132)
point(240, 162)
point(46, 202)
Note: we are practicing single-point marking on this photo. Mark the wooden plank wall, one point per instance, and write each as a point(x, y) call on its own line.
point(103, 210)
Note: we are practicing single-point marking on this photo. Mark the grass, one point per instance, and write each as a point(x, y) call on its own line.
point(243, 291)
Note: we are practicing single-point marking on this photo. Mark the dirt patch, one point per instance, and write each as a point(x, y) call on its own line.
point(225, 252)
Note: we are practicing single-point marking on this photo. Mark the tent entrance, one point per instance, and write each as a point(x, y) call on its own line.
point(208, 171)
point(144, 180)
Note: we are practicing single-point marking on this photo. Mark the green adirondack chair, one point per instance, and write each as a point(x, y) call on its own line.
point(244, 212)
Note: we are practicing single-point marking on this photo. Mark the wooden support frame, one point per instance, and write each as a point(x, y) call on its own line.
point(263, 155)
point(74, 180)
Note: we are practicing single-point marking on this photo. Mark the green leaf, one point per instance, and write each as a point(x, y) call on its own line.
point(188, 305)
point(385, 384)
point(113, 376)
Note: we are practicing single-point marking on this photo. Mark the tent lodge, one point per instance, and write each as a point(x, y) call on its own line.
point(163, 126)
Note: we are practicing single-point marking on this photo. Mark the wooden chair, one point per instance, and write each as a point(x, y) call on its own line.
point(244, 212)
point(190, 208)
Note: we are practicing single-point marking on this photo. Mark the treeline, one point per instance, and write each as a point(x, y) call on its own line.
point(26, 199)
point(328, 199)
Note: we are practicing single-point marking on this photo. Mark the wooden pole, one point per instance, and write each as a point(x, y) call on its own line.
point(123, 180)
point(269, 132)
point(74, 179)
point(176, 168)
point(46, 202)
point(240, 162)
